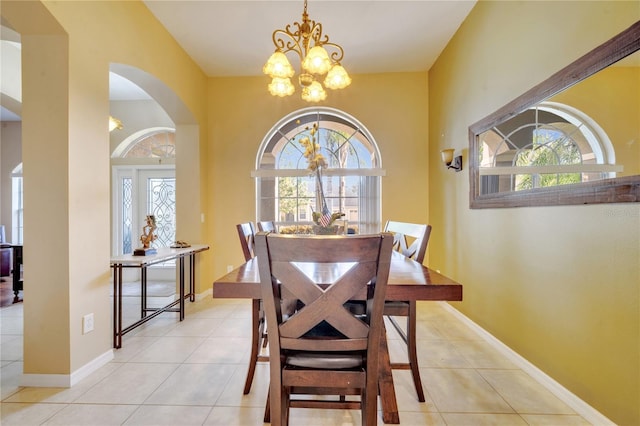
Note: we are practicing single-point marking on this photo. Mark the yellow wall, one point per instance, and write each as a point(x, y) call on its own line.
point(559, 285)
point(392, 106)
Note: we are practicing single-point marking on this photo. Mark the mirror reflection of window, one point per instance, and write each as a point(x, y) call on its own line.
point(546, 145)
point(603, 86)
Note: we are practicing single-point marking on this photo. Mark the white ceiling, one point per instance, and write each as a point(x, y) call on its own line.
point(233, 37)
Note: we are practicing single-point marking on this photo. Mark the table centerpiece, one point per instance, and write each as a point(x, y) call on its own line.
point(323, 219)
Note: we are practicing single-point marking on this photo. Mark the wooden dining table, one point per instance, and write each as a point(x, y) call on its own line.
point(408, 280)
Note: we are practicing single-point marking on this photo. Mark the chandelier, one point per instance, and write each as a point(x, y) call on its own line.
point(307, 41)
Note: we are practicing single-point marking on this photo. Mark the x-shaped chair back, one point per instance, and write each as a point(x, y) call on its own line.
point(323, 273)
point(410, 239)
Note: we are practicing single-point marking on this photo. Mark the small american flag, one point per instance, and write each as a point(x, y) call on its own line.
point(325, 219)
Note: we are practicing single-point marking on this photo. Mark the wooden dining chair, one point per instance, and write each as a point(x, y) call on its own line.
point(267, 226)
point(323, 349)
point(411, 240)
point(246, 233)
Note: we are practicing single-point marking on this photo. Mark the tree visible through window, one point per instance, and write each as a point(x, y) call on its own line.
point(549, 147)
point(287, 193)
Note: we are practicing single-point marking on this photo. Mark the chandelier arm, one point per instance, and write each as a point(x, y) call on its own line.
point(316, 33)
point(286, 41)
point(337, 52)
point(335, 55)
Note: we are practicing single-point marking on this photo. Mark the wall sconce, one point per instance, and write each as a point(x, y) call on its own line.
point(114, 124)
point(452, 162)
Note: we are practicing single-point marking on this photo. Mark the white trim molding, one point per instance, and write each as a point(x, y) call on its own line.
point(66, 380)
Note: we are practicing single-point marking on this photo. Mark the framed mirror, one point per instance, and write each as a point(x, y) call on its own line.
point(572, 139)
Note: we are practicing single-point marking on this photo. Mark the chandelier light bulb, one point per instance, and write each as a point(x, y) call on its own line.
point(314, 92)
point(317, 61)
point(281, 87)
point(278, 66)
point(337, 78)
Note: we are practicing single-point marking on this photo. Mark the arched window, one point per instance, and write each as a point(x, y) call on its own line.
point(549, 144)
point(153, 143)
point(287, 191)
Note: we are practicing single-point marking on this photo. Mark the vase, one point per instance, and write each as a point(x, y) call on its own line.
point(326, 230)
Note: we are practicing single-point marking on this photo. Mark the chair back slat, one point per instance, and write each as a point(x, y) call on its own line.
point(267, 226)
point(410, 239)
point(246, 232)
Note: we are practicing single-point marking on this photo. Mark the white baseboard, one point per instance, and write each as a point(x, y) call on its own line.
point(206, 293)
point(66, 380)
point(578, 405)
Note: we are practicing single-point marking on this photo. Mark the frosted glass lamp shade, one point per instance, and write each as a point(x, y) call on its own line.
point(278, 65)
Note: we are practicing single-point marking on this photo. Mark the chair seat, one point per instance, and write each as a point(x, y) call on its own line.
point(396, 304)
point(325, 360)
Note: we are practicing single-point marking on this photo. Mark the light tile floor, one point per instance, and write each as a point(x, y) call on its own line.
point(192, 373)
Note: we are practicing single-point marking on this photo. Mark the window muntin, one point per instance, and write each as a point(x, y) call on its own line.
point(156, 144)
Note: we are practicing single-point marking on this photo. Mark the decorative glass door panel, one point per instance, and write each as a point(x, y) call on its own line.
point(158, 190)
point(140, 192)
point(161, 202)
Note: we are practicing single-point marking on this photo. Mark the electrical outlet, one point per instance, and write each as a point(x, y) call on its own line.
point(87, 323)
point(229, 268)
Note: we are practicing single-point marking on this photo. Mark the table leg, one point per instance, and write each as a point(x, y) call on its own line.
point(385, 384)
point(117, 306)
point(192, 277)
point(257, 329)
point(143, 292)
point(181, 261)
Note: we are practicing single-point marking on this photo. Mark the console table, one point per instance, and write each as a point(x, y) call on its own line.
point(118, 263)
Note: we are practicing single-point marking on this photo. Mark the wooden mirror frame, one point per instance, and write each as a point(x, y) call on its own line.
point(615, 190)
